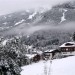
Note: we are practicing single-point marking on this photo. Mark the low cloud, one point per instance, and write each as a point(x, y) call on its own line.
point(30, 29)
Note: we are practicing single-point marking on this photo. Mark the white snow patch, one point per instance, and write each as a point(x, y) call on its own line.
point(31, 16)
point(4, 42)
point(63, 17)
point(65, 66)
point(19, 22)
point(30, 55)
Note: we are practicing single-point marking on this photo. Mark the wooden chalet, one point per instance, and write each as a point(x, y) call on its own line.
point(33, 57)
point(67, 48)
point(51, 54)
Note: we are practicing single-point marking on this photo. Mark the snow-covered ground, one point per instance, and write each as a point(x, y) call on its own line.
point(65, 66)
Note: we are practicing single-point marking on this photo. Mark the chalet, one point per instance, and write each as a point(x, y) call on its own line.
point(33, 57)
point(51, 54)
point(67, 48)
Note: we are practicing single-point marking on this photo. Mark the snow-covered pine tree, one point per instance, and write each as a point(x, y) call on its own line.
point(8, 65)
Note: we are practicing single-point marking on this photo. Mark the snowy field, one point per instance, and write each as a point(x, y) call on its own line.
point(65, 66)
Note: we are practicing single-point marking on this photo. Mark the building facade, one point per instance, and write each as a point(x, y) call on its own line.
point(51, 54)
point(67, 48)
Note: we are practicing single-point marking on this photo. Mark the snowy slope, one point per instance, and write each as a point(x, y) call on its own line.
point(65, 66)
point(34, 69)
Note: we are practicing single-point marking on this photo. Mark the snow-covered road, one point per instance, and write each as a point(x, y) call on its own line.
point(65, 66)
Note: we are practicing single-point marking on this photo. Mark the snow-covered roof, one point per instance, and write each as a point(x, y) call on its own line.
point(68, 44)
point(30, 55)
point(51, 50)
point(38, 52)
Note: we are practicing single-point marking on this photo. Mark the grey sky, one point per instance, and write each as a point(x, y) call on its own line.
point(7, 6)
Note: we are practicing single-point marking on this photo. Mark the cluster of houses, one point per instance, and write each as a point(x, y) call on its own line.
point(66, 49)
point(34, 55)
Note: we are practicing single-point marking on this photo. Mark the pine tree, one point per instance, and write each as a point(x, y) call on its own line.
point(7, 65)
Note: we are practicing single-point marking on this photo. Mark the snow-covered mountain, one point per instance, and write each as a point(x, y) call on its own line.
point(59, 16)
point(38, 30)
point(20, 17)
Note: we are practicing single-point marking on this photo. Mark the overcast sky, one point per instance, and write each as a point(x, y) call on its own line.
point(8, 6)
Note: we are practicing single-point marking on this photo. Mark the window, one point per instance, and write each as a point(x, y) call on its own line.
point(66, 49)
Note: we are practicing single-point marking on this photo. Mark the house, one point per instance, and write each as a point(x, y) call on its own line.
point(40, 53)
point(51, 54)
point(36, 58)
point(67, 48)
point(33, 57)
